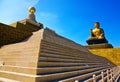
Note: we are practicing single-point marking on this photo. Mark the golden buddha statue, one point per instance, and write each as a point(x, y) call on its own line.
point(97, 35)
point(31, 16)
point(32, 10)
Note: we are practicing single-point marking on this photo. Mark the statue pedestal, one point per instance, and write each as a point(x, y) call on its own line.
point(31, 23)
point(27, 25)
point(99, 46)
point(97, 41)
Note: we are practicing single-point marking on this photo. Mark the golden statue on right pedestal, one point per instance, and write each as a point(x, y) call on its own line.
point(97, 35)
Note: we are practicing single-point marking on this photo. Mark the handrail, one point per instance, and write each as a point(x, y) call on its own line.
point(110, 75)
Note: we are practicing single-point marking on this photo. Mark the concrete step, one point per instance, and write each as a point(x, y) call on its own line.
point(80, 78)
point(48, 59)
point(51, 70)
point(61, 47)
point(48, 77)
point(7, 80)
point(56, 77)
point(46, 52)
point(61, 64)
point(56, 45)
point(54, 55)
point(69, 53)
point(59, 55)
point(31, 59)
point(20, 69)
point(64, 50)
point(33, 71)
point(20, 77)
point(47, 49)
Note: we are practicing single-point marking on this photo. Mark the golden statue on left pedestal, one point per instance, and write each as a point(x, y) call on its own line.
point(32, 10)
point(31, 15)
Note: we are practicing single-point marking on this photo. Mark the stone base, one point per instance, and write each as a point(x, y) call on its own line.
point(99, 46)
point(97, 41)
point(34, 24)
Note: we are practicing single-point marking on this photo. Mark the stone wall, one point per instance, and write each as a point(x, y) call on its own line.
point(112, 54)
point(9, 35)
point(26, 26)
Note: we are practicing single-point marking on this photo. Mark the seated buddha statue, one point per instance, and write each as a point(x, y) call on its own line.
point(97, 35)
point(31, 15)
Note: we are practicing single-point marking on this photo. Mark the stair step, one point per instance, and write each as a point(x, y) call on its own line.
point(7, 80)
point(56, 45)
point(19, 69)
point(51, 70)
point(70, 53)
point(18, 76)
point(55, 55)
point(58, 76)
point(66, 60)
point(60, 64)
point(59, 55)
point(80, 78)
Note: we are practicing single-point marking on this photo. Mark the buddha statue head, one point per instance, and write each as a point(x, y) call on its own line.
point(97, 25)
point(32, 10)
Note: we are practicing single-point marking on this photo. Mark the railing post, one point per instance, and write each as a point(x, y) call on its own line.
point(102, 75)
point(111, 75)
point(94, 78)
point(108, 75)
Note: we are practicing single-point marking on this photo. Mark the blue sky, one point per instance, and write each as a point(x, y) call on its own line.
point(70, 18)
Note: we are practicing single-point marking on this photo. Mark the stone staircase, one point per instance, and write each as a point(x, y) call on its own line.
point(48, 57)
